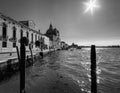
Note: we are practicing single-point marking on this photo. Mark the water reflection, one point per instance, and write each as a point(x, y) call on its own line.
point(76, 65)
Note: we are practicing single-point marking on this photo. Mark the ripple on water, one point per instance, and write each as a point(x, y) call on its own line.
point(76, 64)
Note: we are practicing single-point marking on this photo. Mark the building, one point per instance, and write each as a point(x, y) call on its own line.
point(54, 37)
point(11, 32)
point(63, 45)
point(46, 43)
point(28, 23)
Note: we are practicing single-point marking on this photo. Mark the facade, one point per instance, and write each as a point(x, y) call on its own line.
point(11, 32)
point(63, 45)
point(54, 37)
point(28, 23)
point(46, 43)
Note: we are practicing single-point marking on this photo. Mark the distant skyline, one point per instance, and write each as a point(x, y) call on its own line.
point(102, 28)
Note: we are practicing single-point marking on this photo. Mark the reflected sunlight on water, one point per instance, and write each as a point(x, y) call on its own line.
point(76, 64)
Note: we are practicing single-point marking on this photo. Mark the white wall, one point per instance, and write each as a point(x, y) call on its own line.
point(46, 41)
point(10, 26)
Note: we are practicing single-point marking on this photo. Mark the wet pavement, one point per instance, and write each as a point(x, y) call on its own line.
point(45, 76)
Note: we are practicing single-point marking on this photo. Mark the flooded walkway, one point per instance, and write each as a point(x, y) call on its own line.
point(45, 76)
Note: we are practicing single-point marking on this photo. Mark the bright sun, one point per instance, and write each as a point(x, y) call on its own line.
point(90, 6)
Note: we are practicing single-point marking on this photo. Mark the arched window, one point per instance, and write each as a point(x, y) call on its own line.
point(4, 35)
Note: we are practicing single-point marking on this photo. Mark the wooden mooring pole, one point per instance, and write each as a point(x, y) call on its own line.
point(18, 53)
point(22, 65)
point(93, 70)
point(31, 53)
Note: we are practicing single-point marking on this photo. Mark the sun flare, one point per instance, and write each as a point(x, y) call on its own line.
point(90, 6)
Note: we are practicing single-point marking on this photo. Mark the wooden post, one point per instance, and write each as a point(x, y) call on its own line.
point(93, 70)
point(41, 44)
point(18, 54)
point(22, 66)
point(31, 53)
point(41, 52)
point(9, 67)
point(1, 72)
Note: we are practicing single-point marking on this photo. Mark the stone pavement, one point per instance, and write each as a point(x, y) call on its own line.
point(41, 79)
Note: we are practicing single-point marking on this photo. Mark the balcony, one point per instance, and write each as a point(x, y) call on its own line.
point(3, 38)
point(13, 39)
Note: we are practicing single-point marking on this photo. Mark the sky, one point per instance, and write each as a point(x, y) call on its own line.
point(101, 28)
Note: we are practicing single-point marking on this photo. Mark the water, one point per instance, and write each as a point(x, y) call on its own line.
point(76, 65)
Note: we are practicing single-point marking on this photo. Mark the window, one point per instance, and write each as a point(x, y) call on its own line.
point(4, 44)
point(38, 37)
point(4, 29)
point(21, 33)
point(35, 37)
point(32, 39)
point(4, 35)
point(27, 34)
point(14, 44)
point(14, 32)
point(14, 37)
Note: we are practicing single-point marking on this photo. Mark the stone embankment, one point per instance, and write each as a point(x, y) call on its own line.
point(9, 64)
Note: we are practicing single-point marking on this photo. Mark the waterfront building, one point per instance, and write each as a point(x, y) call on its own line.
point(11, 32)
point(63, 45)
point(29, 23)
point(54, 37)
point(46, 43)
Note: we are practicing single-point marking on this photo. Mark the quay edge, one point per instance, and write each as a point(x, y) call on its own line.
point(11, 65)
